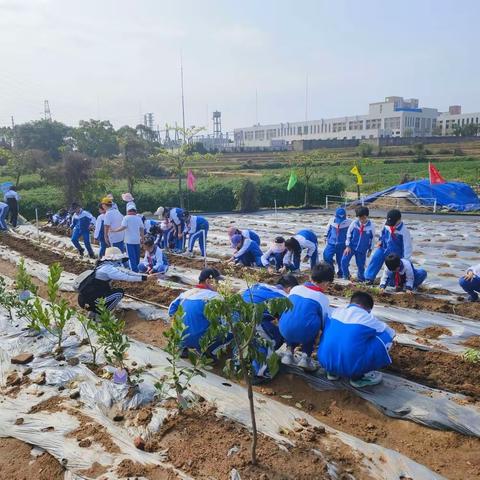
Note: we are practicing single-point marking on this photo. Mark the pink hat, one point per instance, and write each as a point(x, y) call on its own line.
point(127, 197)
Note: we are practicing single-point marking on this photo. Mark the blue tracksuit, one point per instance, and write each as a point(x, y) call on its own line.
point(301, 324)
point(274, 256)
point(249, 255)
point(81, 229)
point(354, 342)
point(99, 234)
point(360, 241)
point(407, 277)
point(336, 237)
point(252, 235)
point(393, 240)
point(307, 241)
point(267, 330)
point(198, 230)
point(3, 216)
point(177, 216)
point(472, 287)
point(193, 303)
point(155, 262)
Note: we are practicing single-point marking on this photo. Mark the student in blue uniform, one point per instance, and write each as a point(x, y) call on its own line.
point(251, 234)
point(154, 260)
point(3, 216)
point(197, 229)
point(401, 274)
point(302, 324)
point(274, 256)
point(193, 303)
point(303, 240)
point(470, 282)
point(359, 243)
point(81, 223)
point(99, 232)
point(12, 198)
point(394, 238)
point(354, 344)
point(335, 238)
point(247, 252)
point(176, 216)
point(268, 331)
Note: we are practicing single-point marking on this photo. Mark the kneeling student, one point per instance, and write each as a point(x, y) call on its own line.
point(354, 343)
point(470, 282)
point(247, 252)
point(310, 308)
point(154, 260)
point(273, 257)
point(401, 274)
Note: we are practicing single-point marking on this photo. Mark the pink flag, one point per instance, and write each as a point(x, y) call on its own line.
point(191, 181)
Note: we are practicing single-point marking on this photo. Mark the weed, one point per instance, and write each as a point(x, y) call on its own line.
point(471, 355)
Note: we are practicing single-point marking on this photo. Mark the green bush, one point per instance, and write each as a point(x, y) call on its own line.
point(246, 196)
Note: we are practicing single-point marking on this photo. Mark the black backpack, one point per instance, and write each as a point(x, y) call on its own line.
point(84, 280)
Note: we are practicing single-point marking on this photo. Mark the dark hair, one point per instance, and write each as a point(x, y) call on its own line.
point(363, 299)
point(208, 273)
point(287, 281)
point(292, 244)
point(392, 261)
point(279, 240)
point(362, 212)
point(74, 206)
point(323, 272)
point(149, 241)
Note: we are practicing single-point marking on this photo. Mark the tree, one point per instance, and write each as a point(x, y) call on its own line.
point(420, 152)
point(304, 163)
point(22, 162)
point(96, 138)
point(247, 197)
point(365, 150)
point(43, 135)
point(147, 134)
point(469, 130)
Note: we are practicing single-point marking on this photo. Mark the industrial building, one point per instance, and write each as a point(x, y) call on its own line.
point(394, 117)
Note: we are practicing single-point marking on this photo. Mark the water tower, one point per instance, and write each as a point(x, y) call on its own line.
point(217, 124)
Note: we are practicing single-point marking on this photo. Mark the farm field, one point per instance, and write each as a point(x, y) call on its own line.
point(422, 422)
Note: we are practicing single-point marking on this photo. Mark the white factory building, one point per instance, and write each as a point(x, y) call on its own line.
point(394, 117)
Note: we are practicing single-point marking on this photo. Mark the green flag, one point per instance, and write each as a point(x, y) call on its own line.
point(292, 180)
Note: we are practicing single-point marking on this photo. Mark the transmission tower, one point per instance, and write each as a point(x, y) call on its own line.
point(46, 111)
point(148, 120)
point(217, 124)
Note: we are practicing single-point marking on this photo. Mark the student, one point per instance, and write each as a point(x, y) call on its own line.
point(3, 216)
point(154, 260)
point(108, 269)
point(99, 233)
point(267, 330)
point(81, 223)
point(302, 323)
point(177, 219)
point(12, 198)
point(61, 218)
point(275, 254)
point(401, 274)
point(251, 234)
point(303, 240)
point(132, 225)
point(247, 252)
point(113, 221)
point(470, 282)
point(394, 238)
point(197, 229)
point(354, 343)
point(335, 238)
point(193, 304)
point(359, 243)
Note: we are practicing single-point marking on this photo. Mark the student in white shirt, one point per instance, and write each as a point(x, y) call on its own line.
point(12, 198)
point(113, 221)
point(134, 229)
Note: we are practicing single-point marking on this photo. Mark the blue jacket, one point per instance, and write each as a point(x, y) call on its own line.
point(197, 223)
point(252, 235)
point(360, 239)
point(396, 240)
point(177, 215)
point(337, 232)
point(193, 303)
point(354, 342)
point(310, 308)
point(82, 221)
point(262, 292)
point(249, 246)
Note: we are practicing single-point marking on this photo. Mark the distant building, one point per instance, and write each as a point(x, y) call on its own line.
point(394, 117)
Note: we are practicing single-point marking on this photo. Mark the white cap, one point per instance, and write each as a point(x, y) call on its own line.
point(131, 206)
point(113, 253)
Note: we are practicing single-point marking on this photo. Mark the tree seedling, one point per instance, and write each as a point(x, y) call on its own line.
point(179, 376)
point(471, 355)
point(88, 325)
point(231, 315)
point(8, 298)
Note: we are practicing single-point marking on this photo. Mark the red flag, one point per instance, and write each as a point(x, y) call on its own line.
point(191, 181)
point(434, 174)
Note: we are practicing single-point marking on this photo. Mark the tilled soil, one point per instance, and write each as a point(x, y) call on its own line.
point(151, 291)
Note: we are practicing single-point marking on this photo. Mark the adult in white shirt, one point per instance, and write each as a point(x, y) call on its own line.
point(132, 225)
point(112, 222)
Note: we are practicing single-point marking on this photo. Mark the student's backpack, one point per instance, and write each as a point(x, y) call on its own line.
point(84, 280)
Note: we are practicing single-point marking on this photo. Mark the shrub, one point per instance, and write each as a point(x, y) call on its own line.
point(246, 196)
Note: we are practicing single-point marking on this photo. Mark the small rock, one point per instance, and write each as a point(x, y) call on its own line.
point(309, 436)
point(27, 371)
point(139, 443)
point(73, 362)
point(302, 421)
point(19, 421)
point(47, 429)
point(85, 443)
point(84, 342)
point(118, 417)
point(60, 357)
point(134, 364)
point(39, 379)
point(75, 394)
point(72, 333)
point(13, 379)
point(148, 365)
point(317, 429)
point(40, 394)
point(22, 359)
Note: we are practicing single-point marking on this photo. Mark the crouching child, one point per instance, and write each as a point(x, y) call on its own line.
point(354, 344)
point(154, 260)
point(401, 274)
point(470, 282)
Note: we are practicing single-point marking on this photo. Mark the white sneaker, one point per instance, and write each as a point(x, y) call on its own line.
point(306, 363)
point(332, 377)
point(287, 358)
point(368, 380)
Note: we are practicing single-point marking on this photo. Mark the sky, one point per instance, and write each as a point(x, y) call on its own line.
point(118, 59)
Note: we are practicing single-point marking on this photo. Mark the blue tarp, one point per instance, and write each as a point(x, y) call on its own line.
point(455, 196)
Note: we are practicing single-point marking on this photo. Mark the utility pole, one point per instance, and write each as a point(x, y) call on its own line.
point(256, 107)
point(183, 97)
point(306, 97)
point(12, 141)
point(46, 111)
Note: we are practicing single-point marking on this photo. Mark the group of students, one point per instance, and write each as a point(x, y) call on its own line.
point(9, 208)
point(344, 240)
point(353, 343)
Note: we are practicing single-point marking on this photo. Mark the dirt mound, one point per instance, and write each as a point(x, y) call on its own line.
point(153, 292)
point(473, 342)
point(434, 331)
point(130, 469)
